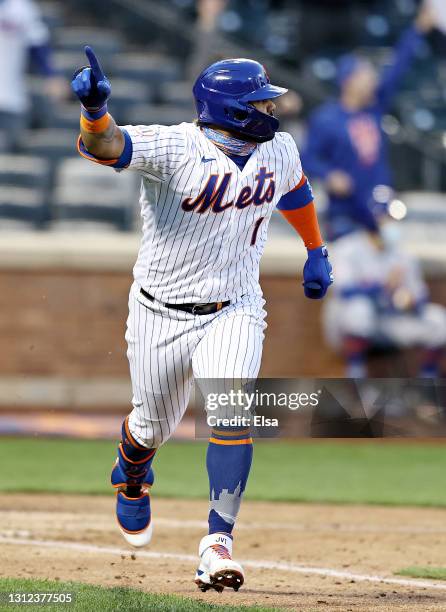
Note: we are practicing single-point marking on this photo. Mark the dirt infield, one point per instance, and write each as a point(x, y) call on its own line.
point(303, 557)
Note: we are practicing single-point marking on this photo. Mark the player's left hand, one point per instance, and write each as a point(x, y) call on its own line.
point(90, 84)
point(318, 275)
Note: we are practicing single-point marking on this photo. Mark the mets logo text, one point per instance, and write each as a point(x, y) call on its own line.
point(212, 195)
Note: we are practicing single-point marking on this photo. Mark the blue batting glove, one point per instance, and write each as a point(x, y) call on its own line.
point(318, 275)
point(90, 84)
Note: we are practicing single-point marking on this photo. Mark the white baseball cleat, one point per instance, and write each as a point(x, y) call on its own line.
point(217, 569)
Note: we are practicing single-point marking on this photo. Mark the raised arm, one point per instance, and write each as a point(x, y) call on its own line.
point(99, 133)
point(403, 55)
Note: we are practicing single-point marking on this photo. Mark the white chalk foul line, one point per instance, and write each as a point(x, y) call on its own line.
point(260, 564)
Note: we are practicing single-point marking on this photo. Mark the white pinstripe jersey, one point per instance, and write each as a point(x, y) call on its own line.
point(205, 220)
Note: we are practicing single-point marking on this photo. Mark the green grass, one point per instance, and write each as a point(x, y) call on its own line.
point(118, 599)
point(432, 573)
point(358, 472)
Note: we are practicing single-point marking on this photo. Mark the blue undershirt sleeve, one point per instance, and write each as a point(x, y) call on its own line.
point(298, 197)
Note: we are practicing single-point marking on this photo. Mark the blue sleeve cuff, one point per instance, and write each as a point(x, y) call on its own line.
point(123, 160)
point(126, 155)
point(297, 198)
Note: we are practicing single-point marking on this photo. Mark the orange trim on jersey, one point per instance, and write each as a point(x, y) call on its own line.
point(149, 456)
point(300, 184)
point(95, 126)
point(90, 157)
point(230, 442)
point(132, 440)
point(230, 433)
point(304, 220)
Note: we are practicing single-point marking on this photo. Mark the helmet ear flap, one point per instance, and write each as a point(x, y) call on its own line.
point(237, 114)
point(240, 115)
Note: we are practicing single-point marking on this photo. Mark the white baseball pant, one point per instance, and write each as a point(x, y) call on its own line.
point(168, 348)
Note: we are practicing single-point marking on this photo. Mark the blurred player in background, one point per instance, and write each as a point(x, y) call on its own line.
point(380, 298)
point(346, 146)
point(22, 31)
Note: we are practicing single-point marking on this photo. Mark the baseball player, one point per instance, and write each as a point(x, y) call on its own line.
point(346, 145)
point(195, 307)
point(380, 298)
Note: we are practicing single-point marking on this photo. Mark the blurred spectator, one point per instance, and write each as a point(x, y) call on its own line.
point(346, 145)
point(21, 31)
point(380, 299)
point(204, 54)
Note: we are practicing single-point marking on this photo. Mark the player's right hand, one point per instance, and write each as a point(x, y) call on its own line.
point(90, 84)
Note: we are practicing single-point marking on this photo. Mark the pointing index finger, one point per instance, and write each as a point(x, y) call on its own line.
point(96, 68)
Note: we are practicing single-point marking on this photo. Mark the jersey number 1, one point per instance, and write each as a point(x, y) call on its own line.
point(255, 231)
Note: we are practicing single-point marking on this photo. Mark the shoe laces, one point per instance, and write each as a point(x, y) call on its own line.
point(221, 551)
